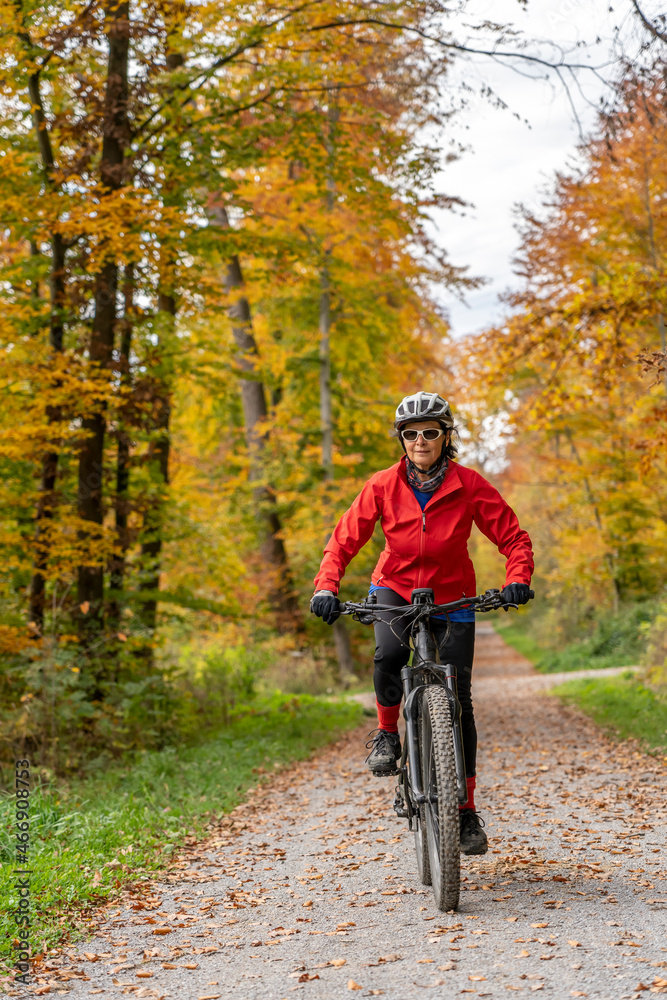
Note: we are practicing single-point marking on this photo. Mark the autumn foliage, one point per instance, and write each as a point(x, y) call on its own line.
point(576, 373)
point(215, 280)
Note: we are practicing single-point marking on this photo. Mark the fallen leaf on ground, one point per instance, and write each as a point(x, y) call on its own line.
point(145, 974)
point(447, 967)
point(574, 944)
point(338, 962)
point(308, 902)
point(351, 985)
point(477, 979)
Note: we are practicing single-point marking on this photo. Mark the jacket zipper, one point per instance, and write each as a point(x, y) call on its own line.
point(422, 536)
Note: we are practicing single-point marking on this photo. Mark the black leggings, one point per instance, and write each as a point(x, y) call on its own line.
point(392, 654)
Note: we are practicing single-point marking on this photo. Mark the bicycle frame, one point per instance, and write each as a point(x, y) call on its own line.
point(424, 662)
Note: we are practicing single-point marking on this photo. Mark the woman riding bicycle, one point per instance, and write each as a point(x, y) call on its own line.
point(427, 504)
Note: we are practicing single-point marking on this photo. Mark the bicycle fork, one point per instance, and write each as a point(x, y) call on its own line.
point(411, 711)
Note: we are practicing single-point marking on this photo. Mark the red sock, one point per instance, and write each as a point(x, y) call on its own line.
point(470, 804)
point(388, 717)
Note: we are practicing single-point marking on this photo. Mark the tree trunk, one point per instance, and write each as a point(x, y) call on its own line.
point(117, 563)
point(326, 410)
point(46, 501)
point(341, 634)
point(280, 595)
point(608, 556)
point(158, 457)
point(663, 342)
point(91, 456)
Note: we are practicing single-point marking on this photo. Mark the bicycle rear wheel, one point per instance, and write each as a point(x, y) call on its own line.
point(441, 806)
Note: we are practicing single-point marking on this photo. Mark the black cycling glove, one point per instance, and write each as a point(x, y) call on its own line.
point(326, 606)
point(516, 593)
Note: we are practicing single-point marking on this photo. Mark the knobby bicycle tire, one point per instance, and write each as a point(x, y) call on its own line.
point(442, 815)
point(421, 837)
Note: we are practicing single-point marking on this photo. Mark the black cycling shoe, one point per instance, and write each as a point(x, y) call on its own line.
point(385, 751)
point(473, 838)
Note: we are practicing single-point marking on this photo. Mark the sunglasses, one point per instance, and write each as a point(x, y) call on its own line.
point(430, 434)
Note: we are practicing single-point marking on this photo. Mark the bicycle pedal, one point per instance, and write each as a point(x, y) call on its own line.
point(384, 774)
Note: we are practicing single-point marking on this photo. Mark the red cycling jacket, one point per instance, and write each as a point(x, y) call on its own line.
point(427, 548)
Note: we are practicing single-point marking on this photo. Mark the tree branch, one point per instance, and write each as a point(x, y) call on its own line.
point(648, 24)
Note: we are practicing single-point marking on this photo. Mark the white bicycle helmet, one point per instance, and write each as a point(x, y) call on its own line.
point(423, 406)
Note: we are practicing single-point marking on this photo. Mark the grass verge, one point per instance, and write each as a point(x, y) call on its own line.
point(622, 706)
point(514, 631)
point(133, 816)
point(610, 641)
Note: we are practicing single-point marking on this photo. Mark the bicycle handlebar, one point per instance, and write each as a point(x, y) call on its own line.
point(490, 600)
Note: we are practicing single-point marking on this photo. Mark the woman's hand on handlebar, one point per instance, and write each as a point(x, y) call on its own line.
point(516, 593)
point(325, 605)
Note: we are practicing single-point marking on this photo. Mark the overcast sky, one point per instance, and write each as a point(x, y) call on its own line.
point(511, 160)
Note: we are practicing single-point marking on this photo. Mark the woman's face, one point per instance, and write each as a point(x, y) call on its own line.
point(424, 453)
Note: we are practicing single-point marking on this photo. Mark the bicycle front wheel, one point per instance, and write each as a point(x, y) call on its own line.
point(420, 833)
point(442, 806)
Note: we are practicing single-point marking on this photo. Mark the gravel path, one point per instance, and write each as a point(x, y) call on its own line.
point(310, 887)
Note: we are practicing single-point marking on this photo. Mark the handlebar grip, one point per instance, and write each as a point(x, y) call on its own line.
point(531, 594)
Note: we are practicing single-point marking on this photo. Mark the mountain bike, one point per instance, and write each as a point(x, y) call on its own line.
point(431, 771)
